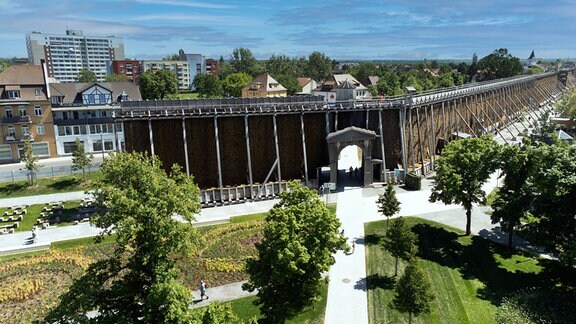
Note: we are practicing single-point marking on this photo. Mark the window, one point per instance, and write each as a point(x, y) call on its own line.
point(40, 149)
point(37, 110)
point(25, 130)
point(22, 111)
point(97, 146)
point(13, 94)
point(69, 147)
point(9, 112)
point(5, 152)
point(37, 92)
point(40, 129)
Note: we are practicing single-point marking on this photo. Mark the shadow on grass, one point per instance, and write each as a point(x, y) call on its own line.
point(12, 188)
point(65, 184)
point(475, 258)
point(376, 281)
point(373, 239)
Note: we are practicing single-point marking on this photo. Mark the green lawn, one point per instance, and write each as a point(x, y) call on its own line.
point(469, 275)
point(33, 213)
point(47, 186)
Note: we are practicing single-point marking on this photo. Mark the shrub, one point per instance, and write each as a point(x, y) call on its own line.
point(413, 181)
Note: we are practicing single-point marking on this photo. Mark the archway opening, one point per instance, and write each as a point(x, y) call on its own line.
point(350, 170)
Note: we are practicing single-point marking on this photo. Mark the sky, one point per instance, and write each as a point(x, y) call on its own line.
point(341, 29)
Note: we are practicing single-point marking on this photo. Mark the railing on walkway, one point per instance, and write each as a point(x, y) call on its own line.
point(44, 172)
point(240, 194)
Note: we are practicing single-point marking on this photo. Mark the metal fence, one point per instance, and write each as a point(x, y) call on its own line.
point(45, 172)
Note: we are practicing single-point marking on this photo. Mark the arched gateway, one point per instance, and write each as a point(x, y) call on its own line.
point(360, 137)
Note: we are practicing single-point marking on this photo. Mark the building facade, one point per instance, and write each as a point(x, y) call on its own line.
point(128, 68)
point(264, 86)
point(85, 111)
point(25, 113)
point(212, 67)
point(66, 55)
point(197, 64)
point(180, 68)
point(342, 87)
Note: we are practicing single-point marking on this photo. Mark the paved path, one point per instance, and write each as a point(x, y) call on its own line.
point(42, 199)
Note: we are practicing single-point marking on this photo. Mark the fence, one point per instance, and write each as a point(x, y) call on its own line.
point(44, 172)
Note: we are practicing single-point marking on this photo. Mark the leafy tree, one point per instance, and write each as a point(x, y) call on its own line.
point(400, 241)
point(30, 161)
point(81, 160)
point(319, 66)
point(116, 78)
point(499, 64)
point(300, 237)
point(289, 82)
point(234, 82)
point(217, 313)
point(566, 107)
point(208, 85)
point(85, 75)
point(242, 61)
point(515, 196)
point(278, 65)
point(138, 282)
point(388, 204)
point(171, 57)
point(389, 84)
point(413, 292)
point(158, 84)
point(445, 80)
point(544, 128)
point(363, 70)
point(461, 170)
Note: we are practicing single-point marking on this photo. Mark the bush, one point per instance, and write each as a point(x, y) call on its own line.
point(413, 181)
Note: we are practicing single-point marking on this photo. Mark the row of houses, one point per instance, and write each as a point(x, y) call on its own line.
point(51, 115)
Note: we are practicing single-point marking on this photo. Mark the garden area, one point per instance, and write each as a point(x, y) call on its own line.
point(48, 185)
point(473, 280)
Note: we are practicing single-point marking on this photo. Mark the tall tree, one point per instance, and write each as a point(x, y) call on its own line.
point(300, 237)
point(289, 82)
point(80, 159)
point(30, 161)
point(234, 82)
point(363, 70)
point(319, 66)
point(116, 78)
point(388, 204)
point(400, 241)
point(138, 282)
point(158, 85)
point(208, 85)
point(282, 65)
point(413, 292)
point(85, 75)
point(566, 107)
point(461, 170)
point(516, 195)
point(499, 64)
point(242, 61)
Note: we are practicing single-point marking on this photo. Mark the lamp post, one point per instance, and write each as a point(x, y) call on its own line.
point(102, 142)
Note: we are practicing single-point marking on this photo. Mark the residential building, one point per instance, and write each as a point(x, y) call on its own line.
point(180, 68)
point(25, 113)
point(342, 87)
point(85, 111)
point(66, 55)
point(212, 67)
point(307, 84)
point(129, 68)
point(264, 86)
point(197, 63)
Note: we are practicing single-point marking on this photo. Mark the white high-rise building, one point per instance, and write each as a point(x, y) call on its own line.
point(66, 55)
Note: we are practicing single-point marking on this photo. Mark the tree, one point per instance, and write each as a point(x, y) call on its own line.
point(566, 107)
point(138, 282)
point(363, 70)
point(499, 64)
point(400, 241)
point(388, 204)
point(234, 82)
point(208, 85)
point(158, 84)
point(172, 57)
point(81, 160)
point(461, 170)
point(413, 292)
point(278, 65)
point(289, 82)
point(85, 75)
point(30, 161)
point(116, 78)
point(516, 195)
point(300, 237)
point(319, 66)
point(544, 128)
point(242, 61)
point(217, 313)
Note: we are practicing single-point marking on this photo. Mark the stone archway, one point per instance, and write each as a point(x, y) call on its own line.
point(360, 137)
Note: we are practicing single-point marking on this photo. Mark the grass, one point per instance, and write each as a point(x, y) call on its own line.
point(33, 213)
point(47, 186)
point(248, 218)
point(85, 241)
point(469, 275)
point(187, 95)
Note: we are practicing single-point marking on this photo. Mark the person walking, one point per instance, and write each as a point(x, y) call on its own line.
point(203, 290)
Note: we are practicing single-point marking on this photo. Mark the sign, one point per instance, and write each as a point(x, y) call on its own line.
point(330, 185)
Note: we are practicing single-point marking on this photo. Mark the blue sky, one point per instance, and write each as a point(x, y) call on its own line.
point(342, 29)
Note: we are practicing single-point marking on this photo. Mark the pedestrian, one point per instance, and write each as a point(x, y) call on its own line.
point(353, 246)
point(35, 234)
point(322, 190)
point(342, 232)
point(203, 287)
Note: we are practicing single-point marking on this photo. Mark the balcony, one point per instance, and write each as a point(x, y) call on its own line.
point(17, 120)
point(18, 139)
point(83, 121)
